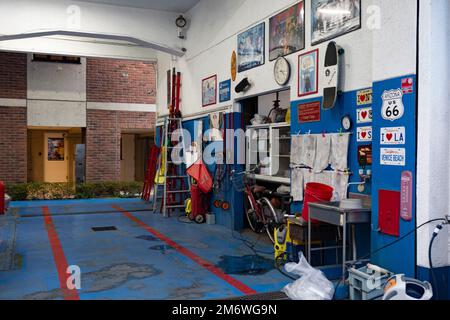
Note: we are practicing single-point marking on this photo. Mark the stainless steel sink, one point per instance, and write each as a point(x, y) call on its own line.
point(331, 212)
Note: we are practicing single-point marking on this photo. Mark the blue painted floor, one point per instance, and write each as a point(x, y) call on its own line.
point(129, 263)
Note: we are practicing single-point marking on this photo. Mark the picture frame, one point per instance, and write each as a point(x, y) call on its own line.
point(209, 91)
point(251, 48)
point(333, 18)
point(287, 32)
point(308, 73)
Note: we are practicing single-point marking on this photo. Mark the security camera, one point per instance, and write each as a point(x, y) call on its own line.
point(181, 24)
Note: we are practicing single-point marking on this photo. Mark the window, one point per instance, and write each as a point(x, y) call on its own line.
point(56, 59)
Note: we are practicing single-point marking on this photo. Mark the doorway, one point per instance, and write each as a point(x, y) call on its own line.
point(55, 158)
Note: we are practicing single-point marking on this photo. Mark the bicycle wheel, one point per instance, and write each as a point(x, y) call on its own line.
point(251, 215)
point(271, 218)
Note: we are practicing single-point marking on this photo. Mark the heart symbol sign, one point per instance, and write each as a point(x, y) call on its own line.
point(364, 114)
point(362, 98)
point(389, 136)
point(363, 134)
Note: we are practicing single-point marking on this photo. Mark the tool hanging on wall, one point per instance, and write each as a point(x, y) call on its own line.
point(150, 174)
point(175, 183)
point(220, 167)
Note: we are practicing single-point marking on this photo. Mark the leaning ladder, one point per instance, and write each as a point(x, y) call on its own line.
point(176, 183)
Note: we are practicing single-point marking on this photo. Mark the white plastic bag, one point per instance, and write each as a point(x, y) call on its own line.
point(312, 285)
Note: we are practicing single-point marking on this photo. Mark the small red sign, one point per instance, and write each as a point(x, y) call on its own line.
point(407, 85)
point(309, 112)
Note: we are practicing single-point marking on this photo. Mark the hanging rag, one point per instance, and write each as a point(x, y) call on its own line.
point(339, 151)
point(323, 178)
point(297, 185)
point(296, 149)
point(323, 148)
point(339, 182)
point(308, 154)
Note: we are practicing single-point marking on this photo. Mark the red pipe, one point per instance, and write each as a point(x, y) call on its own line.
point(2, 198)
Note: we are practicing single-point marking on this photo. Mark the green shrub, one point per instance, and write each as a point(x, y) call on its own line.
point(61, 191)
point(109, 190)
point(17, 192)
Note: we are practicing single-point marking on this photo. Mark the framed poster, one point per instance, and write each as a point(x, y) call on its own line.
point(209, 91)
point(225, 91)
point(333, 18)
point(55, 149)
point(251, 45)
point(308, 73)
point(287, 32)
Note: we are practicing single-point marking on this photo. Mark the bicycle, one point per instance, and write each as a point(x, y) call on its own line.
point(260, 213)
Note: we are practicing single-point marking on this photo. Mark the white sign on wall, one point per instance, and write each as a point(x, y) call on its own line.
point(393, 108)
point(364, 134)
point(393, 156)
point(392, 136)
point(364, 115)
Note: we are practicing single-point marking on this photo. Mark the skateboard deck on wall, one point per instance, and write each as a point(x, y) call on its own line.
point(331, 75)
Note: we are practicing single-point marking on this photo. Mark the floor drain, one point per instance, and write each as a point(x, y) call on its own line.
point(101, 229)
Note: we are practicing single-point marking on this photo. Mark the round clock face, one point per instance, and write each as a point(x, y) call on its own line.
point(282, 71)
point(346, 123)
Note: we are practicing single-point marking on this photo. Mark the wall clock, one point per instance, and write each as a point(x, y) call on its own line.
point(282, 71)
point(346, 122)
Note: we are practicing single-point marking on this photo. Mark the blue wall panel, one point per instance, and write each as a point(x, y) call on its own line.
point(399, 258)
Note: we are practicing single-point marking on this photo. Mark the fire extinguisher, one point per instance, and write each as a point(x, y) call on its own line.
point(2, 198)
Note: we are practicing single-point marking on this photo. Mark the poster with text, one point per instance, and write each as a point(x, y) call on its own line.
point(333, 18)
point(287, 32)
point(251, 48)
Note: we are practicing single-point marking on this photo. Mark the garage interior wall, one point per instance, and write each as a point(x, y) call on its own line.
point(378, 56)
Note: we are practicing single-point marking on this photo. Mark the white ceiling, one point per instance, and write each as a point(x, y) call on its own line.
point(165, 5)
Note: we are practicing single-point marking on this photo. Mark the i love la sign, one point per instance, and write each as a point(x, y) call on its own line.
point(364, 115)
point(392, 136)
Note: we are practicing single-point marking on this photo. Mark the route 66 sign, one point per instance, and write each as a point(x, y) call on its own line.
point(393, 108)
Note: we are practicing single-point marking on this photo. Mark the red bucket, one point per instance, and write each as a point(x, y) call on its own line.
point(315, 192)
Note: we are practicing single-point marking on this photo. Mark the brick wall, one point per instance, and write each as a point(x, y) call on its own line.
point(103, 132)
point(13, 75)
point(121, 81)
point(13, 145)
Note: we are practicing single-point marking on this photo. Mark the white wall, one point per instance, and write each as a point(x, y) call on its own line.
point(371, 53)
point(25, 16)
point(433, 163)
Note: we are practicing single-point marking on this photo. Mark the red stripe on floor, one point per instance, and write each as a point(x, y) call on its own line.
point(58, 256)
point(186, 252)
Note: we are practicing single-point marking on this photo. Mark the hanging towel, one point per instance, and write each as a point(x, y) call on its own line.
point(296, 149)
point(323, 149)
point(323, 178)
point(339, 151)
point(297, 184)
point(339, 183)
point(308, 152)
